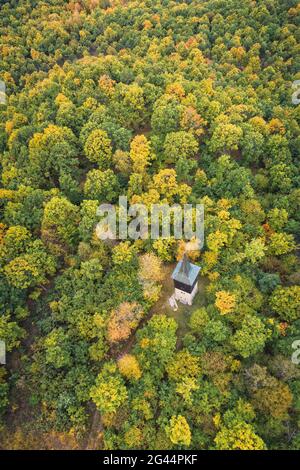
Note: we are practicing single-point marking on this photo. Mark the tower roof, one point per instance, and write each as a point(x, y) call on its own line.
point(185, 272)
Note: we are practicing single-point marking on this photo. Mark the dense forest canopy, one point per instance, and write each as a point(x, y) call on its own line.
point(161, 101)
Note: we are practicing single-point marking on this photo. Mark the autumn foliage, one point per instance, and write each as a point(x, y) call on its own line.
point(123, 321)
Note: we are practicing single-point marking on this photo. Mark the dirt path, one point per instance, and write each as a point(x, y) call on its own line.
point(19, 411)
point(93, 438)
point(116, 353)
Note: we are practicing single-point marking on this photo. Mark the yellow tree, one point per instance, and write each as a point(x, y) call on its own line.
point(129, 367)
point(123, 320)
point(225, 302)
point(240, 436)
point(178, 431)
point(98, 148)
point(140, 154)
point(150, 276)
point(150, 268)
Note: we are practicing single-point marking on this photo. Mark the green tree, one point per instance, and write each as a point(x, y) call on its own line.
point(109, 391)
point(179, 431)
point(30, 269)
point(273, 399)
point(52, 153)
point(251, 337)
point(101, 185)
point(15, 241)
point(57, 349)
point(88, 219)
point(156, 343)
point(255, 250)
point(285, 301)
point(166, 115)
point(60, 225)
point(198, 320)
point(10, 332)
point(98, 148)
point(225, 138)
point(183, 364)
point(180, 144)
point(281, 243)
point(240, 436)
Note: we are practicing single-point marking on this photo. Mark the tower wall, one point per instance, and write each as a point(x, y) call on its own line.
point(186, 297)
point(185, 287)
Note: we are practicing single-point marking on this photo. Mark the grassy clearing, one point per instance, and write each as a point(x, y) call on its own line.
point(183, 313)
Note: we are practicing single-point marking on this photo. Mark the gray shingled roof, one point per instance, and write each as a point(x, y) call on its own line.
point(185, 272)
